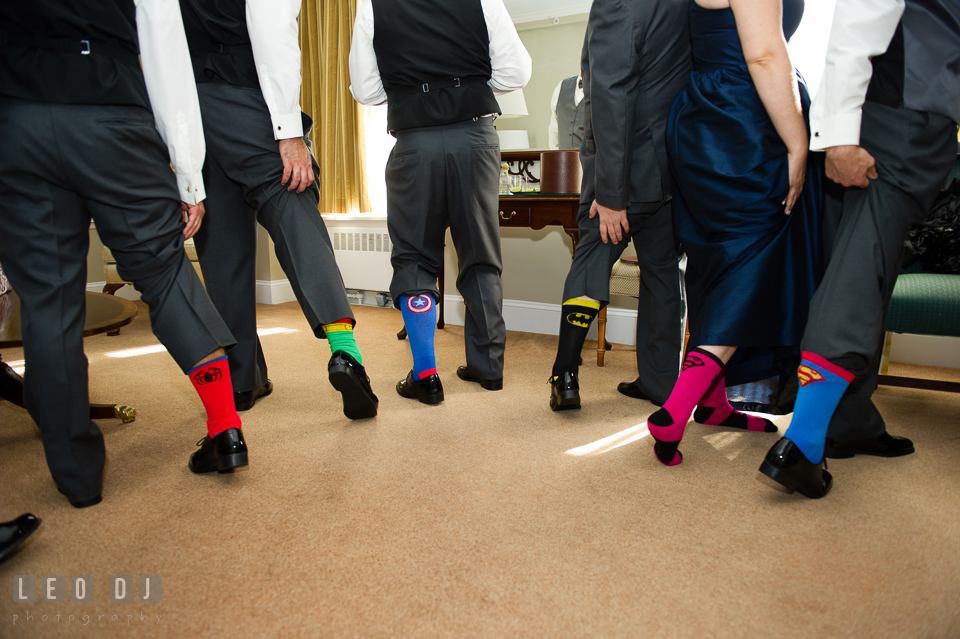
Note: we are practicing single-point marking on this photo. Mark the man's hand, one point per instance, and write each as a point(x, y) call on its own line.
point(850, 165)
point(611, 222)
point(297, 164)
point(194, 215)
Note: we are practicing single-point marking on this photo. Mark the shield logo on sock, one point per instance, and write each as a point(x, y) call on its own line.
point(419, 304)
point(808, 375)
point(579, 319)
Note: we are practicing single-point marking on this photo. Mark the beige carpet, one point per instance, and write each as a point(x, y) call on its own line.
point(470, 519)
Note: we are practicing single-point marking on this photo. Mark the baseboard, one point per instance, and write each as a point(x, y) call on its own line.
point(536, 317)
point(930, 350)
point(275, 292)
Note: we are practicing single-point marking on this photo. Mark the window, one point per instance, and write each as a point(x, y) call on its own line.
point(377, 146)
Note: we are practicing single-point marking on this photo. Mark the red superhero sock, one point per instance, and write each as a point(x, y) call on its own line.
point(212, 381)
point(666, 425)
point(715, 410)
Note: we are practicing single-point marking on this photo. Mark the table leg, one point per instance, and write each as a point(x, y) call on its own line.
point(11, 389)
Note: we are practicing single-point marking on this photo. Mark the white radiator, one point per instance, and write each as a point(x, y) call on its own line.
point(362, 250)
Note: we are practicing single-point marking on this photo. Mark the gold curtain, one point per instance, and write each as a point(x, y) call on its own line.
point(326, 29)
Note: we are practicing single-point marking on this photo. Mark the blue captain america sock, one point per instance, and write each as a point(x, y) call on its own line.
point(822, 384)
point(420, 319)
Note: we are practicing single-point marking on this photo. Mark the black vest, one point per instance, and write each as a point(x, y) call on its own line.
point(434, 61)
point(569, 116)
point(219, 42)
point(71, 52)
point(921, 68)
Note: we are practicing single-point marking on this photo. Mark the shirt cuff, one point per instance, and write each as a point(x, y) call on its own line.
point(191, 188)
point(288, 125)
point(836, 130)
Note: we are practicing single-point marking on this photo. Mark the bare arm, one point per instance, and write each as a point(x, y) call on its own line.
point(759, 24)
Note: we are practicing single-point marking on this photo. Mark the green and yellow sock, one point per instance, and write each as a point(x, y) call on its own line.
point(340, 336)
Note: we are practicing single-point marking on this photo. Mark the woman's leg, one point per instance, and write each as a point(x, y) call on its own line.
point(700, 368)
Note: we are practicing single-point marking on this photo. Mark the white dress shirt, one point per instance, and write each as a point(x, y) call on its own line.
point(508, 57)
point(861, 30)
point(275, 37)
point(168, 73)
point(553, 132)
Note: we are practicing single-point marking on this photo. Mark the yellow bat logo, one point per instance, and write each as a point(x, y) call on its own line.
point(808, 375)
point(579, 319)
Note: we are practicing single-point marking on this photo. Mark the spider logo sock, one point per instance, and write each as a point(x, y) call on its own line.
point(213, 385)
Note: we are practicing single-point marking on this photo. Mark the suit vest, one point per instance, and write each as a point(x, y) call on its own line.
point(921, 69)
point(434, 61)
point(71, 52)
point(569, 115)
point(219, 42)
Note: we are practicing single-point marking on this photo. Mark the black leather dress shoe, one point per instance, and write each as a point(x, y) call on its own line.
point(466, 374)
point(351, 380)
point(246, 400)
point(81, 503)
point(630, 389)
point(564, 392)
point(13, 533)
point(885, 445)
point(428, 390)
point(786, 464)
point(223, 453)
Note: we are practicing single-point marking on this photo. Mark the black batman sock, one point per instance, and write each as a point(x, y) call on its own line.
point(577, 315)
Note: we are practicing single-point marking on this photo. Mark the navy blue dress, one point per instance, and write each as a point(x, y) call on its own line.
point(751, 269)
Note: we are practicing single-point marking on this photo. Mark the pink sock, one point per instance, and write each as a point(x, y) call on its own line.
point(714, 409)
point(666, 425)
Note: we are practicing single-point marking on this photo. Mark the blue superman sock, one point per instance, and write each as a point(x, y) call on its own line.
point(420, 318)
point(822, 384)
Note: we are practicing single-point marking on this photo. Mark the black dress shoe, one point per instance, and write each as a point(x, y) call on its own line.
point(246, 400)
point(13, 533)
point(885, 445)
point(81, 503)
point(564, 391)
point(350, 378)
point(630, 389)
point(223, 453)
point(786, 464)
point(428, 390)
point(466, 374)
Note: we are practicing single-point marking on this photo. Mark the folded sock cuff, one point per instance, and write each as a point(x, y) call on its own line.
point(206, 364)
point(594, 304)
point(828, 366)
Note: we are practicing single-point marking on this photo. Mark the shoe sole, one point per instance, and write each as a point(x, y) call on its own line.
point(248, 405)
point(569, 400)
point(488, 384)
point(784, 479)
point(29, 531)
point(357, 403)
point(833, 453)
point(225, 464)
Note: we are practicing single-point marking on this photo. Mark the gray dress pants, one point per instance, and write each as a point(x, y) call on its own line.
point(60, 166)
point(659, 307)
point(865, 230)
point(242, 176)
point(449, 175)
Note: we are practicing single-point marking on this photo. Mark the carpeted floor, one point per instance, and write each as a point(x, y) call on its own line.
point(471, 518)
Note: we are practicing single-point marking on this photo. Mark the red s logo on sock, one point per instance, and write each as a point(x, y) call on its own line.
point(808, 375)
